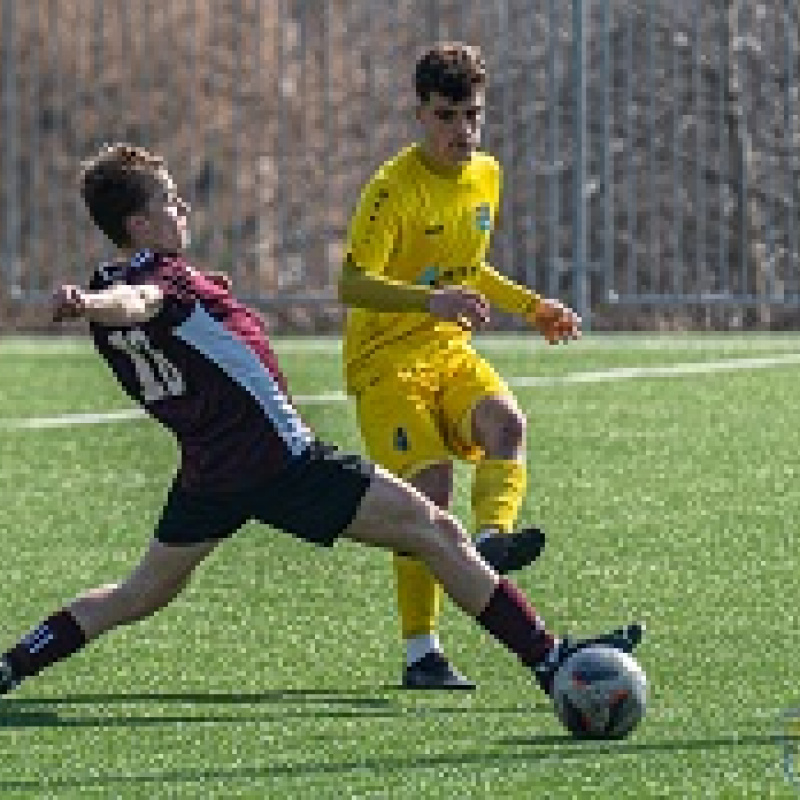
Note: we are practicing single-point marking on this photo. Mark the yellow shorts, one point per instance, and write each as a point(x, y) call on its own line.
point(420, 413)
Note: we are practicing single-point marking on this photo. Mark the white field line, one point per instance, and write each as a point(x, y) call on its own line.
point(123, 415)
point(667, 371)
point(325, 398)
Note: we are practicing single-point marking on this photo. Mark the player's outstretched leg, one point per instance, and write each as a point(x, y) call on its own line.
point(160, 576)
point(392, 514)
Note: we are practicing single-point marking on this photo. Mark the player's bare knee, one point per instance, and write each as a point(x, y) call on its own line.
point(510, 429)
point(499, 425)
point(515, 426)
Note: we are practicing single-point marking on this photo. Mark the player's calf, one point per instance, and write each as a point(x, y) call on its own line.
point(158, 578)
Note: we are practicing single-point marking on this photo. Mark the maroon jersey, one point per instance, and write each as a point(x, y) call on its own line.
point(203, 368)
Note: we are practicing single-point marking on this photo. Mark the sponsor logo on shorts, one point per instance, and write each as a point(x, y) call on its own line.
point(401, 440)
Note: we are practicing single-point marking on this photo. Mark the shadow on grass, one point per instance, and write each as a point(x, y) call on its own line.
point(305, 697)
point(60, 712)
point(547, 748)
point(596, 747)
point(300, 696)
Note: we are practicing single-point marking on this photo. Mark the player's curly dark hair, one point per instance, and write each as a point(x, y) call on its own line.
point(119, 181)
point(451, 69)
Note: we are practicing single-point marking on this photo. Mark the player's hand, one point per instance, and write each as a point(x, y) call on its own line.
point(460, 304)
point(555, 321)
point(221, 279)
point(67, 302)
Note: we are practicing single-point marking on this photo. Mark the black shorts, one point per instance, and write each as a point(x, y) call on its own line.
point(315, 498)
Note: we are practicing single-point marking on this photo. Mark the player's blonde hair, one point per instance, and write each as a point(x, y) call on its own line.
point(451, 69)
point(119, 181)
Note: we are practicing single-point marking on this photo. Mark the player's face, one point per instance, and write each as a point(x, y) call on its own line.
point(165, 223)
point(452, 131)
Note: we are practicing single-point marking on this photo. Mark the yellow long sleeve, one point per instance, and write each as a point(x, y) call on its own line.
point(505, 294)
point(361, 289)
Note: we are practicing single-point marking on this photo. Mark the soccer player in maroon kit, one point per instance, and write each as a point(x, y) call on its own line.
point(200, 363)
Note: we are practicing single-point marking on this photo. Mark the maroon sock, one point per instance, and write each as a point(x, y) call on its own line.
point(57, 637)
point(512, 620)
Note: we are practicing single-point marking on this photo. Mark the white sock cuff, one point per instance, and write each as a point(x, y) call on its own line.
point(419, 646)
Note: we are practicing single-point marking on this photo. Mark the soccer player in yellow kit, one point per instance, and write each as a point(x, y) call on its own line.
point(417, 283)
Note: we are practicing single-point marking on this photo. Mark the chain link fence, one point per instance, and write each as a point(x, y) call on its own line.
point(651, 149)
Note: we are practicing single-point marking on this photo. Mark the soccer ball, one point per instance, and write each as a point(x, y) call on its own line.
point(600, 693)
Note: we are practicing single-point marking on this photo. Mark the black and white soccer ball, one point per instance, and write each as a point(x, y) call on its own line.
point(600, 692)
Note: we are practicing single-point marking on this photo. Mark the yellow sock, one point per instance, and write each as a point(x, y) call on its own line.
point(418, 597)
point(497, 493)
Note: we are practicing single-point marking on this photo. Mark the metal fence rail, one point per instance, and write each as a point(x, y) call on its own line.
point(651, 148)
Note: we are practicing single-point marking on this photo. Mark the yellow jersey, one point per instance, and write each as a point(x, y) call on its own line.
point(418, 224)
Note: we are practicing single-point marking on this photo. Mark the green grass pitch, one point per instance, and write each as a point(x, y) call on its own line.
point(671, 499)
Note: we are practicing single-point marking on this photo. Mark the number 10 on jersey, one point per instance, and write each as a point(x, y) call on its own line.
point(158, 376)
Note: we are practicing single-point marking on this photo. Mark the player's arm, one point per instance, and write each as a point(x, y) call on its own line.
point(361, 288)
point(555, 321)
point(373, 234)
point(504, 293)
point(119, 305)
